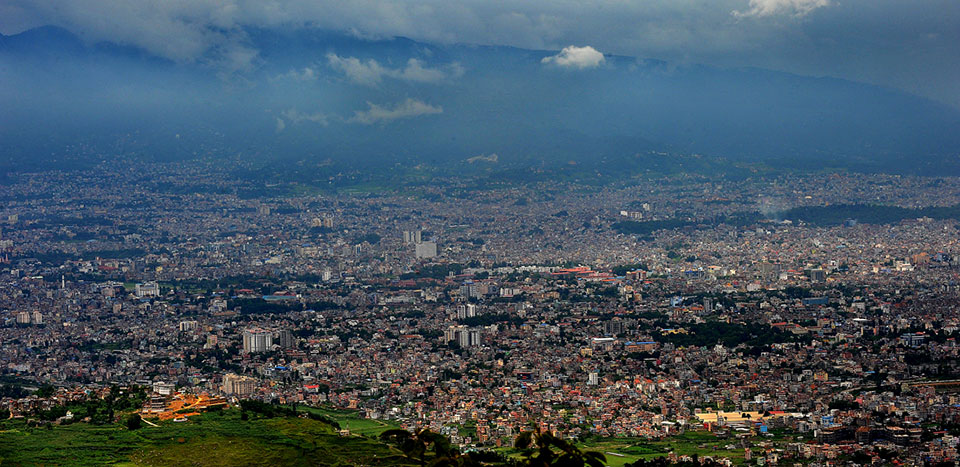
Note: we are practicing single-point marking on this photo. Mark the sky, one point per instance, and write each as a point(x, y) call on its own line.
point(910, 45)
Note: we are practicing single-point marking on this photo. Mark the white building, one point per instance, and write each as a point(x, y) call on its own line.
point(148, 289)
point(257, 340)
point(426, 250)
point(463, 335)
point(468, 310)
point(163, 388)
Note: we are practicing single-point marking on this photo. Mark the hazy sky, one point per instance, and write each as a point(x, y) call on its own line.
point(912, 45)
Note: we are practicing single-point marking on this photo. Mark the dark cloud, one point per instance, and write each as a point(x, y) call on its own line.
point(908, 45)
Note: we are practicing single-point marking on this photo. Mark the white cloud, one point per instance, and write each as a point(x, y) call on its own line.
point(295, 116)
point(280, 125)
point(306, 74)
point(370, 72)
point(406, 109)
point(576, 57)
point(415, 71)
point(778, 7)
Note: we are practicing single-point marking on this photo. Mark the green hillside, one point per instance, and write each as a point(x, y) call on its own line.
point(211, 439)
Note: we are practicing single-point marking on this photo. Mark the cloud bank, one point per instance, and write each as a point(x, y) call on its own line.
point(910, 45)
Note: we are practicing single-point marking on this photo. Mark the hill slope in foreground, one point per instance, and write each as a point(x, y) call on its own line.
point(211, 439)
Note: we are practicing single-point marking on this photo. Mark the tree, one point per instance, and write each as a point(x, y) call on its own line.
point(543, 449)
point(45, 390)
point(413, 444)
point(416, 444)
point(134, 422)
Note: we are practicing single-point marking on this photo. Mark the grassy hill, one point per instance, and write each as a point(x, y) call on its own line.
point(211, 439)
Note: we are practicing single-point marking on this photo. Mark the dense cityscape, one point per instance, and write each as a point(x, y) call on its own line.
point(473, 233)
point(760, 311)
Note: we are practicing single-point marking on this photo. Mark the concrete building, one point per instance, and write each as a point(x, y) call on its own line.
point(462, 335)
point(426, 250)
point(163, 388)
point(257, 340)
point(468, 310)
point(23, 317)
point(285, 339)
point(237, 385)
point(148, 289)
point(412, 236)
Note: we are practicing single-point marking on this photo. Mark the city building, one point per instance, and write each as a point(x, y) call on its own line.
point(257, 340)
point(147, 289)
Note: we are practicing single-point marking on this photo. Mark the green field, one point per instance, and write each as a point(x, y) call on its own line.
point(211, 439)
point(350, 420)
point(690, 443)
point(620, 451)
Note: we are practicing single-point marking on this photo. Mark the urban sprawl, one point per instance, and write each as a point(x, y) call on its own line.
point(645, 310)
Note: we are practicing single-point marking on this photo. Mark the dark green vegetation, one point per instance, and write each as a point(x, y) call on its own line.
point(543, 448)
point(712, 333)
point(424, 446)
point(218, 438)
point(820, 216)
point(864, 213)
point(434, 271)
point(100, 411)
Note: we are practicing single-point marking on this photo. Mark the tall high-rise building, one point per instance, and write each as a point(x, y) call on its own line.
point(257, 340)
point(818, 275)
point(412, 236)
point(468, 310)
point(23, 317)
point(463, 335)
point(470, 337)
point(285, 339)
point(237, 385)
point(613, 327)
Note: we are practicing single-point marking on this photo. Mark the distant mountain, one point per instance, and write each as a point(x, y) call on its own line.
point(326, 96)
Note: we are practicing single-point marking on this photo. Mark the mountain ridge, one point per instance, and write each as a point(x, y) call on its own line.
point(304, 98)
